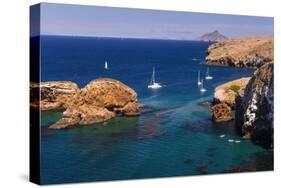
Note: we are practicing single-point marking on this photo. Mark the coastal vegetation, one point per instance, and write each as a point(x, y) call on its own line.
point(234, 88)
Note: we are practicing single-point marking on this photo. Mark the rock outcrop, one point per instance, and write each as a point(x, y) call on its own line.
point(227, 92)
point(250, 52)
point(221, 113)
point(100, 100)
point(53, 95)
point(214, 36)
point(224, 99)
point(254, 114)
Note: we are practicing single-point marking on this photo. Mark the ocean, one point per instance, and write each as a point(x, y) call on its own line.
point(174, 135)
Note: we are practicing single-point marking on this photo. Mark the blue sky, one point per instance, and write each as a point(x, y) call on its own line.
point(59, 19)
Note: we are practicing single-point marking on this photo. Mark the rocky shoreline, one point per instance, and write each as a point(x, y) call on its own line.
point(245, 52)
point(255, 115)
point(224, 99)
point(99, 101)
point(247, 101)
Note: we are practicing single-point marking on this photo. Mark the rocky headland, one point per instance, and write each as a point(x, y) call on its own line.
point(249, 101)
point(98, 101)
point(249, 52)
point(224, 99)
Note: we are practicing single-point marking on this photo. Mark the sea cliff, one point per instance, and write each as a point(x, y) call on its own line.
point(250, 98)
point(98, 101)
point(254, 116)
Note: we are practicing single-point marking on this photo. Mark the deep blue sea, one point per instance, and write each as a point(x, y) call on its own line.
point(174, 136)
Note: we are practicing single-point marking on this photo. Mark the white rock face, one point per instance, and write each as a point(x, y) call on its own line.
point(250, 114)
point(254, 112)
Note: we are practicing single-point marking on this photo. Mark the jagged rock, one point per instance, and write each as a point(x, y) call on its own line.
point(243, 52)
point(53, 95)
point(221, 112)
point(254, 114)
point(227, 92)
point(98, 101)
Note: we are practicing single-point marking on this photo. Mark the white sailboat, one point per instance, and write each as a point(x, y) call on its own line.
point(208, 76)
point(198, 80)
point(153, 84)
point(202, 89)
point(105, 65)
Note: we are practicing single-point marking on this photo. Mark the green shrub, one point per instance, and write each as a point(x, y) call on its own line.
point(234, 88)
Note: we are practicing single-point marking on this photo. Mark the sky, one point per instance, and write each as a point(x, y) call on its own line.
point(61, 19)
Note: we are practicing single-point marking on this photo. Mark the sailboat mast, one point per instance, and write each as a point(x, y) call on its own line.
point(198, 76)
point(153, 75)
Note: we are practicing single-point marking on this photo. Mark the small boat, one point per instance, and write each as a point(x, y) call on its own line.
point(223, 135)
point(153, 84)
point(105, 65)
point(202, 89)
point(237, 141)
point(198, 80)
point(230, 140)
point(208, 76)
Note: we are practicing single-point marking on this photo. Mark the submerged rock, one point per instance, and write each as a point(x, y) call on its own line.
point(100, 100)
point(188, 161)
point(254, 114)
point(203, 169)
point(243, 52)
point(205, 104)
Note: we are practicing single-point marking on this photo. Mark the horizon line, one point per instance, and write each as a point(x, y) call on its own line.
point(141, 38)
point(113, 37)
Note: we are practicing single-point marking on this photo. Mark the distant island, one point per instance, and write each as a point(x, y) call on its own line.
point(213, 36)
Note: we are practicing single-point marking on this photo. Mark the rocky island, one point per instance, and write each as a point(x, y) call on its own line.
point(249, 101)
point(98, 101)
point(214, 36)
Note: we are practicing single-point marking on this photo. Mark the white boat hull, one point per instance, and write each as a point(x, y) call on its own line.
point(203, 90)
point(209, 77)
point(154, 86)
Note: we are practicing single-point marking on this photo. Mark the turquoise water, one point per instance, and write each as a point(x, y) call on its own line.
point(174, 136)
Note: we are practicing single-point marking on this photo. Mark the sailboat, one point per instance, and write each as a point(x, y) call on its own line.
point(105, 65)
point(202, 89)
point(208, 76)
point(198, 80)
point(153, 84)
